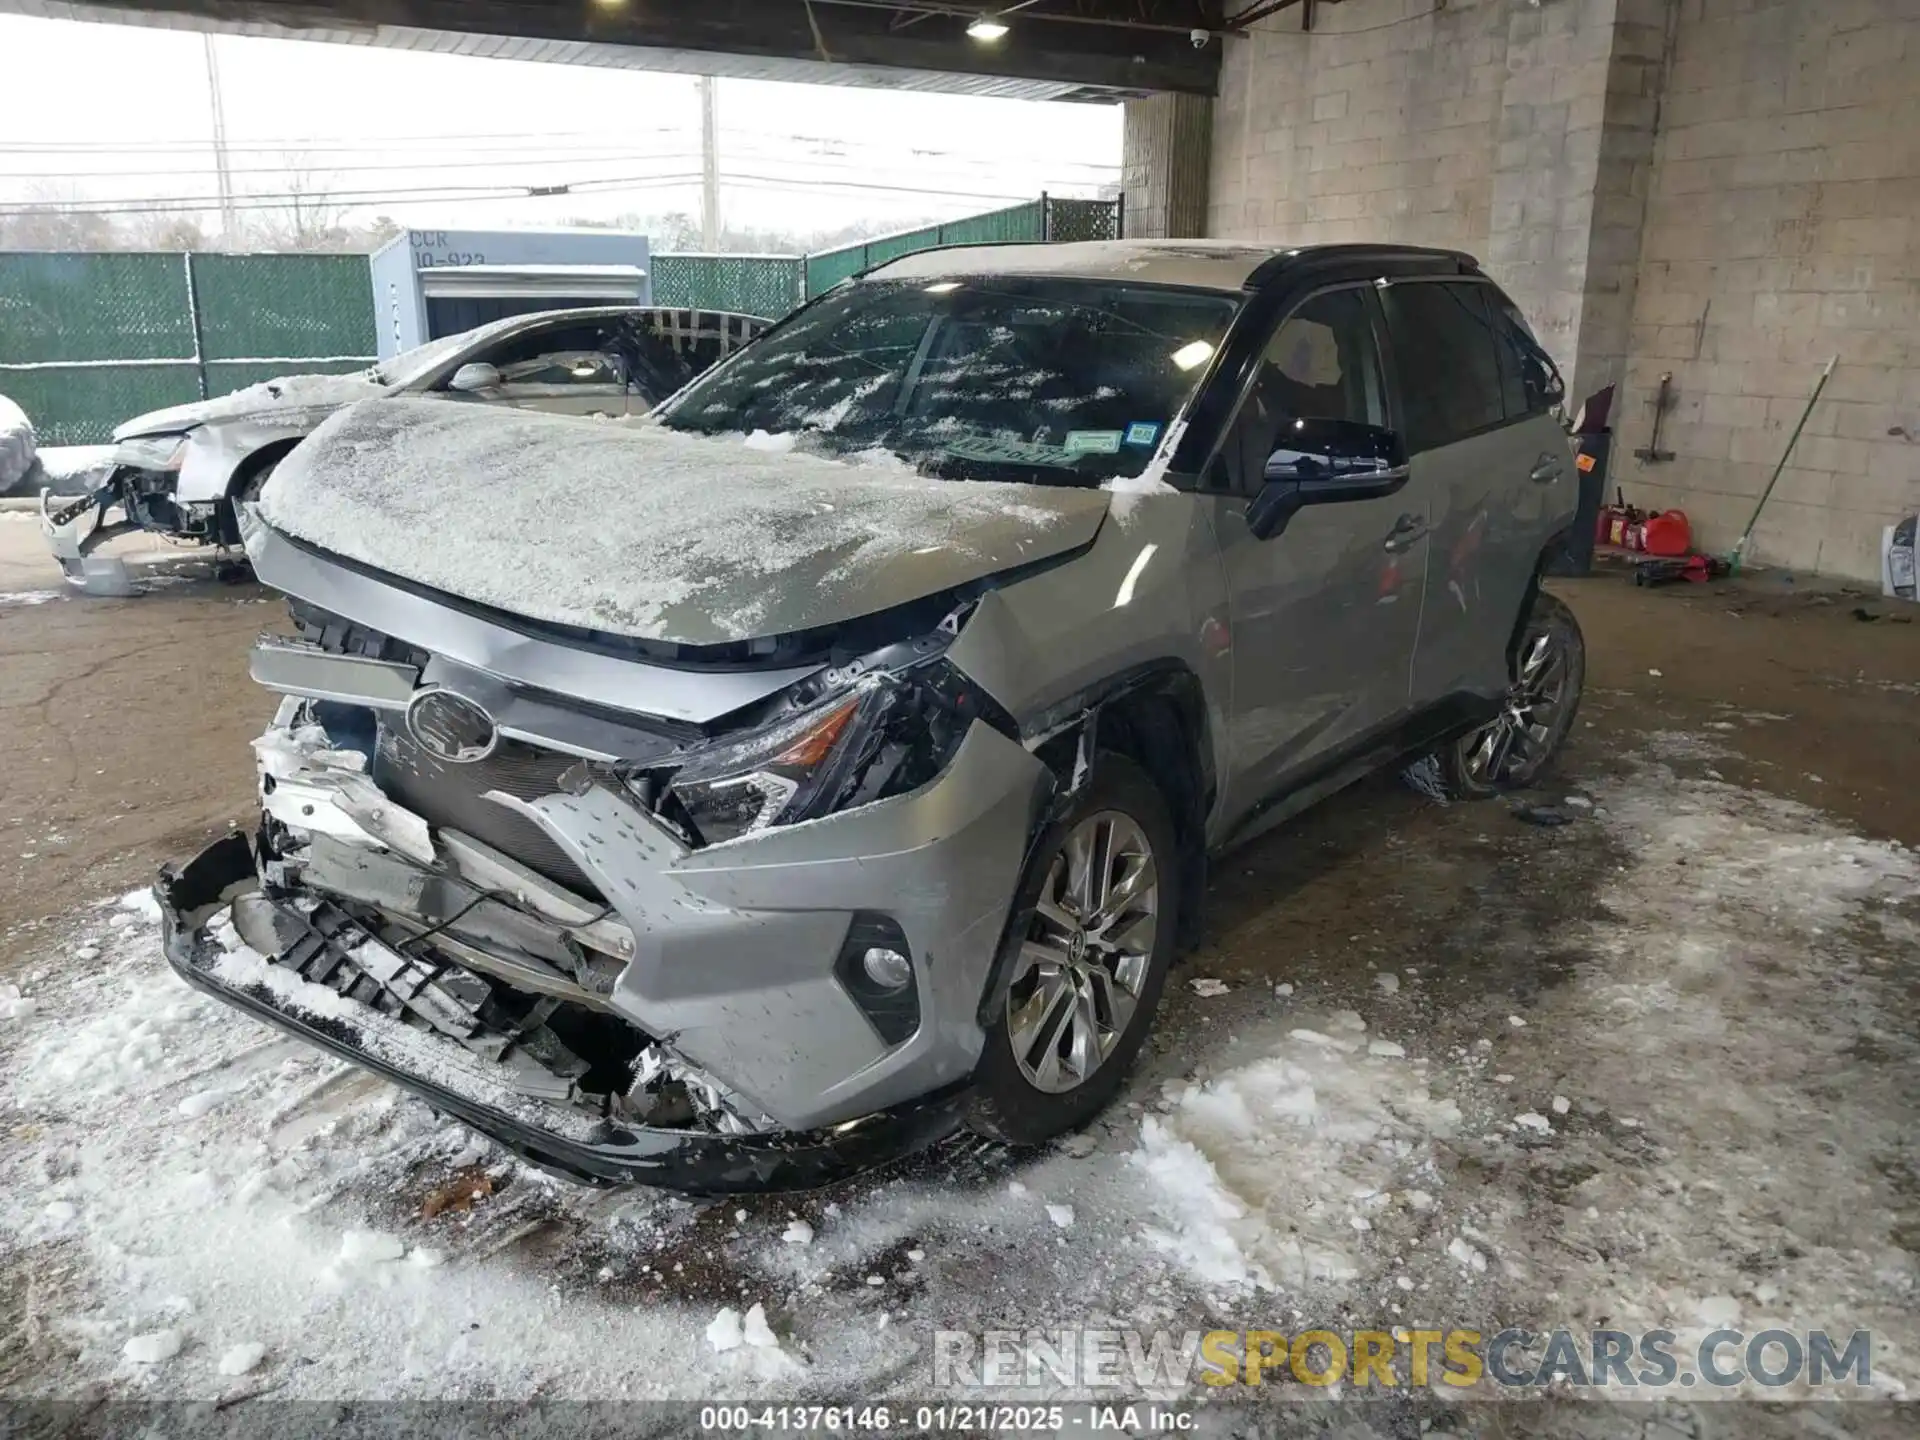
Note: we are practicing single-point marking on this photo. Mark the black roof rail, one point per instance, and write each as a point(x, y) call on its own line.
point(1457, 262)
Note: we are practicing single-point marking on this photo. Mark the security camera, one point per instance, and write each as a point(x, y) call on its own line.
point(1199, 38)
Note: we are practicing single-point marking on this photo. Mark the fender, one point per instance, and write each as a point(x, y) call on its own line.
point(217, 451)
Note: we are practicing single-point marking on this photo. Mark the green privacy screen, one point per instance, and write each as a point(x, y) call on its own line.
point(828, 268)
point(81, 334)
point(767, 285)
point(56, 307)
point(284, 305)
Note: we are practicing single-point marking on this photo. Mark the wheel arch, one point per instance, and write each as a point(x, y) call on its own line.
point(1155, 715)
point(271, 453)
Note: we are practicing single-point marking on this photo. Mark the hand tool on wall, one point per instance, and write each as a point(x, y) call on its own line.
point(1740, 548)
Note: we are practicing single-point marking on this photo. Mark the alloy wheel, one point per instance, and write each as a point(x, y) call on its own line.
point(1079, 973)
point(1512, 747)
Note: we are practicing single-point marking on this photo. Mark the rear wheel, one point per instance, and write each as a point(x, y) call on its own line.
point(1089, 967)
point(1515, 749)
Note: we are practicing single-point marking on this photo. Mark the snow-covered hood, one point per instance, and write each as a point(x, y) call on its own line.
point(288, 393)
point(642, 531)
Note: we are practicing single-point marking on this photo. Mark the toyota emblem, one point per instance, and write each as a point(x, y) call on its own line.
point(451, 727)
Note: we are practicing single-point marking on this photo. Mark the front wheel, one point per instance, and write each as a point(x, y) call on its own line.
point(1089, 967)
point(1514, 749)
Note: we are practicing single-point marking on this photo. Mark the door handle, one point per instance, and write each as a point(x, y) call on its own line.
point(1407, 530)
point(1545, 470)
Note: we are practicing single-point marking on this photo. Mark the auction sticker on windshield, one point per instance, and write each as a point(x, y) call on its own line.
point(1093, 442)
point(1142, 434)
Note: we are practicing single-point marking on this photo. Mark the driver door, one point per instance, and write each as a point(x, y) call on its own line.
point(1325, 611)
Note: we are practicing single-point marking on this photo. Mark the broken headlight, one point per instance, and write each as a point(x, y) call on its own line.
point(885, 735)
point(161, 453)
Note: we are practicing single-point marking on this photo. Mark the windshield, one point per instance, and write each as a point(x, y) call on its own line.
point(1040, 379)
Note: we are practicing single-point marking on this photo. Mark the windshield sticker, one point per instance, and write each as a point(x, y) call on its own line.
point(1143, 433)
point(1004, 449)
point(1093, 442)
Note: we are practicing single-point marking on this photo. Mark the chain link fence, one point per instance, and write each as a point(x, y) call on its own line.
point(765, 285)
point(87, 341)
point(90, 340)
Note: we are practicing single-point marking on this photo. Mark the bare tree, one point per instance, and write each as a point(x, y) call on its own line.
point(308, 218)
point(55, 217)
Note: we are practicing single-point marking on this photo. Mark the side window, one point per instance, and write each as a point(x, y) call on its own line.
point(1321, 364)
point(1528, 377)
point(568, 355)
point(1443, 345)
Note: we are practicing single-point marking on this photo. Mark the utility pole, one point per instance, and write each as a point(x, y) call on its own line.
point(222, 170)
point(709, 167)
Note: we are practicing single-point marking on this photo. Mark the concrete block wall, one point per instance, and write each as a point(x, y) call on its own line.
point(1166, 152)
point(1782, 229)
point(1723, 190)
point(1381, 123)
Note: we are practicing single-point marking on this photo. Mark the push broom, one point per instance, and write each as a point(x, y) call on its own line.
point(1740, 549)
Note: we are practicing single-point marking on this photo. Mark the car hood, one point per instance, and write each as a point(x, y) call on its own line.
point(650, 533)
point(287, 393)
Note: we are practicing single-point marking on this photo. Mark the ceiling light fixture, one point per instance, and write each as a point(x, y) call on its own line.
point(987, 29)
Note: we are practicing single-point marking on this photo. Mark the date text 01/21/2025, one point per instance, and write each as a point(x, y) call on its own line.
point(967, 1418)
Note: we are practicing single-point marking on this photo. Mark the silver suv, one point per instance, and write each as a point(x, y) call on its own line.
point(752, 794)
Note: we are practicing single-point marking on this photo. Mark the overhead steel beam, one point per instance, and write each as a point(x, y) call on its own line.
point(1145, 50)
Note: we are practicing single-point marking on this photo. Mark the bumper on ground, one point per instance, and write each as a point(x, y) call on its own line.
point(76, 526)
point(597, 1153)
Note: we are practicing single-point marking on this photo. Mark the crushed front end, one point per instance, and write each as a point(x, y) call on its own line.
point(714, 929)
point(140, 491)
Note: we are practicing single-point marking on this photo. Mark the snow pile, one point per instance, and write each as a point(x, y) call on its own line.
point(152, 1347)
point(16, 444)
point(241, 1358)
point(1260, 1173)
point(645, 531)
point(74, 469)
point(749, 1338)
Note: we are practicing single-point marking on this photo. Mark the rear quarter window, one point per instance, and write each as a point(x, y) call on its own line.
point(1529, 379)
point(1445, 351)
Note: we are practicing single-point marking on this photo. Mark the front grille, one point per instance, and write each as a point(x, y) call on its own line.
point(453, 797)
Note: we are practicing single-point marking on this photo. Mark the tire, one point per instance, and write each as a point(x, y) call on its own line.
point(1517, 749)
point(243, 492)
point(1027, 1089)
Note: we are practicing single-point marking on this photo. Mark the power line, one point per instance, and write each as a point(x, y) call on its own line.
point(463, 193)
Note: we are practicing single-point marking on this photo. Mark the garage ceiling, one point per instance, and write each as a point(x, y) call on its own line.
point(1093, 50)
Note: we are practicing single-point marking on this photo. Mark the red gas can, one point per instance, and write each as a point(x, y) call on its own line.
point(1666, 532)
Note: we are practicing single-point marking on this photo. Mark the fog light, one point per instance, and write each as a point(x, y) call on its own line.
point(888, 969)
point(875, 967)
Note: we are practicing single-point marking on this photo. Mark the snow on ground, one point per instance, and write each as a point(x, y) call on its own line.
point(1701, 1124)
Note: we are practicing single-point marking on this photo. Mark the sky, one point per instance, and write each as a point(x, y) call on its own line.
point(107, 112)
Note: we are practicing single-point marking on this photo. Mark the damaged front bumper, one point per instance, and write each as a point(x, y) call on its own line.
point(76, 526)
point(534, 950)
point(548, 1134)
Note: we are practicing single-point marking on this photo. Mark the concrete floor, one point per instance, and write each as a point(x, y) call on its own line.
point(1730, 1014)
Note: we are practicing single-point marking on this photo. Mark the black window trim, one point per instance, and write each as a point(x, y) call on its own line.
point(1270, 328)
point(1485, 282)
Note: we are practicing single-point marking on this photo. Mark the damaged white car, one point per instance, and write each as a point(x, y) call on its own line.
point(180, 472)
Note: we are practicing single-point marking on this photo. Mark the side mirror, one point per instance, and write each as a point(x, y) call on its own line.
point(474, 377)
point(1323, 462)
